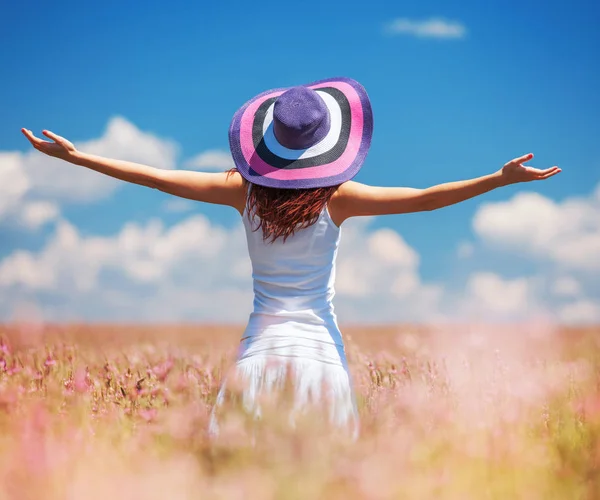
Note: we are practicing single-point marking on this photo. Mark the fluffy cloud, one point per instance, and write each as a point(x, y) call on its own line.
point(145, 271)
point(489, 296)
point(37, 213)
point(430, 28)
point(178, 205)
point(215, 160)
point(378, 278)
point(580, 312)
point(366, 263)
point(566, 233)
point(562, 238)
point(566, 286)
point(14, 183)
point(196, 270)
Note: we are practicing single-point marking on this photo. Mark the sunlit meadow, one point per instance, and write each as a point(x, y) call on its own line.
point(102, 412)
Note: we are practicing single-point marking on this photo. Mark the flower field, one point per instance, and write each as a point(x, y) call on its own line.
point(121, 412)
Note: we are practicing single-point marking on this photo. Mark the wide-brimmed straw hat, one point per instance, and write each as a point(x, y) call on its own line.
point(309, 136)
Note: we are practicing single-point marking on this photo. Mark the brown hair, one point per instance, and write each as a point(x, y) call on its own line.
point(281, 212)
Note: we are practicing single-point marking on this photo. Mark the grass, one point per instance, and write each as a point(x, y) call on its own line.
point(448, 413)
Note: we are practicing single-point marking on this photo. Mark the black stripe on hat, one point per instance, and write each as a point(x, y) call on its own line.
point(327, 157)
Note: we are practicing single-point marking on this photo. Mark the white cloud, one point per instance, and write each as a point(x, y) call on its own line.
point(489, 295)
point(35, 214)
point(566, 286)
point(567, 233)
point(366, 262)
point(580, 312)
point(22, 268)
point(178, 205)
point(213, 160)
point(14, 183)
point(143, 272)
point(144, 254)
point(389, 247)
point(377, 277)
point(198, 271)
point(429, 28)
point(63, 262)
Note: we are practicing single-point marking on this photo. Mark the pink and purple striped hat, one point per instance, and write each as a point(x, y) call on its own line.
point(309, 136)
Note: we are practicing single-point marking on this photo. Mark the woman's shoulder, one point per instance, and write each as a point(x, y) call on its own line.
point(340, 201)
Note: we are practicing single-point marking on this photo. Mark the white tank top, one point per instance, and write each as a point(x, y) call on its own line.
point(293, 290)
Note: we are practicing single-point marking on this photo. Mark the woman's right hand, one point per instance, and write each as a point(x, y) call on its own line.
point(58, 148)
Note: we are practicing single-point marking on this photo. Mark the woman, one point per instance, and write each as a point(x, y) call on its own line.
point(296, 151)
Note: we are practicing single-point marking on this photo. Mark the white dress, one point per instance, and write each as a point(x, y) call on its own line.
point(293, 328)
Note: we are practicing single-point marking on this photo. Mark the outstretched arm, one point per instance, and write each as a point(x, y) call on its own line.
point(222, 188)
point(355, 199)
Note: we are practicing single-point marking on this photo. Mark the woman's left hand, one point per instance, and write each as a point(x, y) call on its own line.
point(58, 148)
point(515, 171)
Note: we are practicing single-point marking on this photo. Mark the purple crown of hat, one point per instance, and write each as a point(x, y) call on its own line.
point(300, 118)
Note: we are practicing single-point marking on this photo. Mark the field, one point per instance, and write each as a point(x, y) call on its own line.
point(96, 412)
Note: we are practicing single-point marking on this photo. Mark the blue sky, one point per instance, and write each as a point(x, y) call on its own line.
point(518, 77)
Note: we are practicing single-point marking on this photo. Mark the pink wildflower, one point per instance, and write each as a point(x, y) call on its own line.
point(148, 415)
point(49, 361)
point(162, 371)
point(81, 380)
point(4, 349)
point(14, 369)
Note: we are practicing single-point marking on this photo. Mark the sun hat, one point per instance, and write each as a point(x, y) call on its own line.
point(309, 136)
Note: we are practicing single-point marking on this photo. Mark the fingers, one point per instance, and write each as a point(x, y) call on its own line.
point(32, 138)
point(537, 174)
point(550, 172)
point(57, 145)
point(53, 136)
point(27, 133)
point(537, 171)
point(523, 159)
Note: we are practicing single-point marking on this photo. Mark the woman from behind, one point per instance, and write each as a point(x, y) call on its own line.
point(296, 151)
